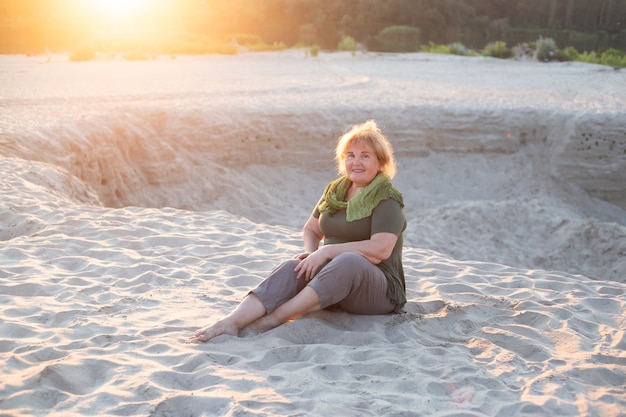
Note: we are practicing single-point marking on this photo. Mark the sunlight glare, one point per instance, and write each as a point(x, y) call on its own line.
point(121, 8)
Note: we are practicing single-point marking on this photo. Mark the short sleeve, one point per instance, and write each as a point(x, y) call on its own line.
point(388, 217)
point(316, 213)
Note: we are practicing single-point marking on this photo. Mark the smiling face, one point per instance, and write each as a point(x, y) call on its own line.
point(361, 164)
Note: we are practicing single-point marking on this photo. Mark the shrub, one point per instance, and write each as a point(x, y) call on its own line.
point(314, 50)
point(546, 49)
point(524, 51)
point(561, 56)
point(253, 43)
point(276, 46)
point(434, 48)
point(245, 39)
point(569, 54)
point(498, 50)
point(457, 48)
point(399, 39)
point(588, 57)
point(347, 44)
point(613, 57)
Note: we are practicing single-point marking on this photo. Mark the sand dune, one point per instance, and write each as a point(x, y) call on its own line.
point(140, 206)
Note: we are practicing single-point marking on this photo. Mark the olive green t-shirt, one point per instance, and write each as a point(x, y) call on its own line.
point(387, 217)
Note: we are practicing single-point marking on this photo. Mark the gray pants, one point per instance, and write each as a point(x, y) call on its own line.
point(349, 281)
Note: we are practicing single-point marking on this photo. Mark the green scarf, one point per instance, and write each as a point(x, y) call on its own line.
point(362, 204)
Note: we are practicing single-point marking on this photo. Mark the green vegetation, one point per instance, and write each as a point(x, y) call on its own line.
point(347, 44)
point(497, 49)
point(314, 50)
point(456, 48)
point(254, 43)
point(460, 27)
point(433, 48)
point(546, 50)
point(611, 57)
point(543, 50)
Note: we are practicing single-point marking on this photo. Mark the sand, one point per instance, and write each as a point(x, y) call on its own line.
point(142, 200)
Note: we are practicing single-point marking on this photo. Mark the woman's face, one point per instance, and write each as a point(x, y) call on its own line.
point(361, 164)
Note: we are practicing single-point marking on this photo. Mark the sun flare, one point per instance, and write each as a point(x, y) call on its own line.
point(120, 8)
point(123, 25)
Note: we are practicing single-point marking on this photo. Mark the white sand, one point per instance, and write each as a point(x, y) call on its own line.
point(141, 200)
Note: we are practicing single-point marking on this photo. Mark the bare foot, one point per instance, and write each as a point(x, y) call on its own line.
point(221, 327)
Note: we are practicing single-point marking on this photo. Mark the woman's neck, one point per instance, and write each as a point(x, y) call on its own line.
point(352, 191)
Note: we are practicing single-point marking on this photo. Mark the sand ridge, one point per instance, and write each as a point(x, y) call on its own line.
point(138, 210)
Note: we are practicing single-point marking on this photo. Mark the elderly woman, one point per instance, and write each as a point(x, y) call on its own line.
point(359, 267)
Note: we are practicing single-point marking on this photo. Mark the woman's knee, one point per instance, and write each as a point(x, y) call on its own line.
point(351, 260)
point(348, 268)
point(287, 266)
point(279, 285)
point(291, 263)
point(349, 257)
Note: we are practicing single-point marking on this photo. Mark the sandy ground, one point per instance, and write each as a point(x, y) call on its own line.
point(141, 200)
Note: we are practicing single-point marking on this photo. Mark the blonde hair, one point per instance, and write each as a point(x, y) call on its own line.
point(367, 134)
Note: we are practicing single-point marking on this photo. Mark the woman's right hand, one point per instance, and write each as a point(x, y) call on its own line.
point(311, 264)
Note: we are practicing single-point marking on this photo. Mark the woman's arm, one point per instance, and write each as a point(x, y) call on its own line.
point(312, 235)
point(376, 249)
point(388, 222)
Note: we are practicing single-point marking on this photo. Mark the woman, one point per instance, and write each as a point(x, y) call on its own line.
point(359, 268)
